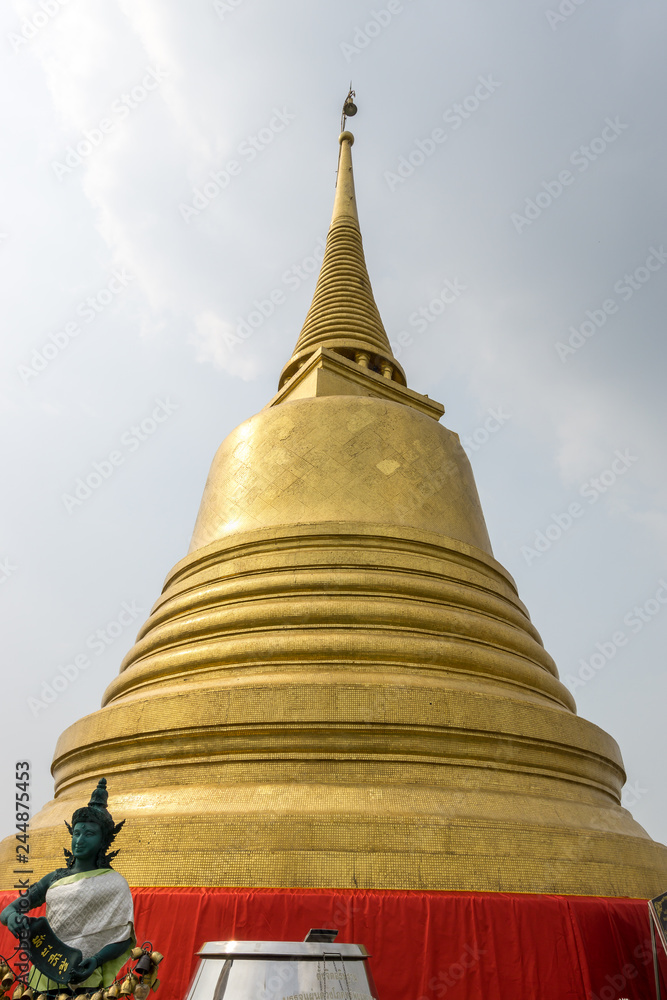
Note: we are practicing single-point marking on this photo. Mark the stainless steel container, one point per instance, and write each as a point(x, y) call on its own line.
point(282, 970)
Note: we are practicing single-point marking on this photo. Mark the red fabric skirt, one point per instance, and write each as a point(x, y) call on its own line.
point(424, 945)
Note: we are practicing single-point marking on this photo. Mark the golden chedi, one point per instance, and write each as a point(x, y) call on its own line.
point(339, 685)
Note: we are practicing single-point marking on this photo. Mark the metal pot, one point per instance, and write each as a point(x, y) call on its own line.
point(282, 970)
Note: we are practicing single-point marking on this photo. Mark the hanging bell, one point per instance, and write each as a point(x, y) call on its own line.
point(156, 957)
point(113, 991)
point(7, 980)
point(143, 966)
point(128, 987)
point(19, 991)
point(27, 994)
point(63, 996)
point(97, 996)
point(142, 991)
point(349, 108)
point(137, 953)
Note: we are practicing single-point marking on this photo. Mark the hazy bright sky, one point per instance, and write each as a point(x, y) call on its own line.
point(508, 155)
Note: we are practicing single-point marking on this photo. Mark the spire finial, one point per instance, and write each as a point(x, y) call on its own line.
point(349, 108)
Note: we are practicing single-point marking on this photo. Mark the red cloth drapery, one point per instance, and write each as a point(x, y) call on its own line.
point(424, 945)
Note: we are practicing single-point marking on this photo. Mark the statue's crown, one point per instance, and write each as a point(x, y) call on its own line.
point(100, 796)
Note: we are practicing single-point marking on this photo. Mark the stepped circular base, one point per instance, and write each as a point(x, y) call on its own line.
point(401, 727)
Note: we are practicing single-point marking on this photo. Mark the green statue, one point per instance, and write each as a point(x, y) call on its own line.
point(88, 908)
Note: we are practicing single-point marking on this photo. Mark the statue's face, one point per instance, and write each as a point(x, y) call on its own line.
point(87, 839)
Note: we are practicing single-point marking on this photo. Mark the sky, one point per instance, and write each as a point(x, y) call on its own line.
point(167, 180)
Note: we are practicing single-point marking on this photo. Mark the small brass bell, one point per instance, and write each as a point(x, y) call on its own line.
point(128, 987)
point(27, 994)
point(137, 953)
point(156, 957)
point(19, 991)
point(113, 991)
point(97, 996)
point(7, 980)
point(142, 991)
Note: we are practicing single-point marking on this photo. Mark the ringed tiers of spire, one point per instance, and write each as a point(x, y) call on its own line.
point(343, 315)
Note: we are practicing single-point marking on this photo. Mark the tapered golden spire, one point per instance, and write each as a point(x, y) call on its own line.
point(343, 315)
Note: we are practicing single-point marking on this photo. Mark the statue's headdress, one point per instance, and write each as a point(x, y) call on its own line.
point(96, 812)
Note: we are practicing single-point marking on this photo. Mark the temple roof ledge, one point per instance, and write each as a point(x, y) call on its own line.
point(327, 373)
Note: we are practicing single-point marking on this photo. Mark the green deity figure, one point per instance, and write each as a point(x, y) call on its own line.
point(88, 908)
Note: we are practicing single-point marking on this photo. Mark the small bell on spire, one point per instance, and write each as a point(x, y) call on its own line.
point(349, 108)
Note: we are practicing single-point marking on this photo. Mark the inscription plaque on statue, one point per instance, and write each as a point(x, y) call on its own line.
point(282, 970)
